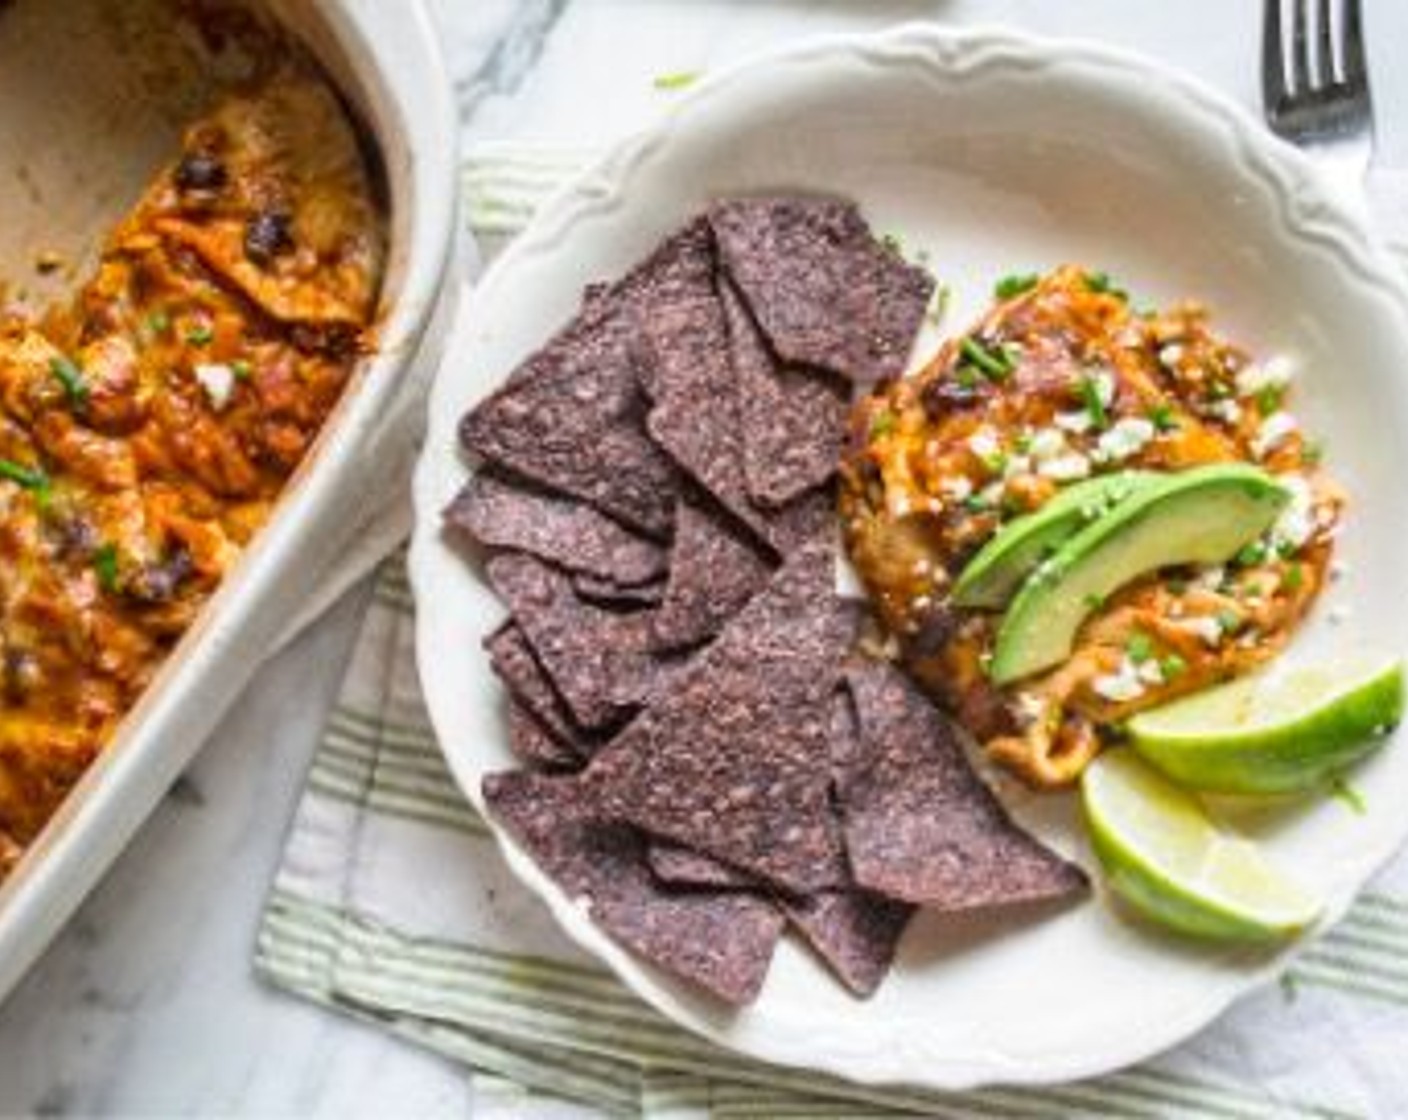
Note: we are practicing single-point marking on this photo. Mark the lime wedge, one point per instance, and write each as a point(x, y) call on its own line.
point(1171, 864)
point(1277, 732)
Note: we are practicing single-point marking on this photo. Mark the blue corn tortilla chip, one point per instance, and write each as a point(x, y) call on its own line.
point(725, 761)
point(514, 663)
point(572, 416)
point(920, 825)
point(715, 568)
point(791, 421)
point(617, 596)
point(722, 942)
point(824, 291)
point(855, 933)
point(682, 867)
point(599, 661)
point(532, 741)
point(502, 514)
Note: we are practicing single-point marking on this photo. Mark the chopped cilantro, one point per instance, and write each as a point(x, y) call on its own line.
point(1172, 666)
point(1015, 284)
point(1140, 647)
point(679, 79)
point(67, 373)
point(1161, 416)
point(105, 567)
point(1100, 283)
point(1094, 406)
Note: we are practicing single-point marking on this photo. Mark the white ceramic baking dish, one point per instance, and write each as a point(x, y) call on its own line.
point(79, 148)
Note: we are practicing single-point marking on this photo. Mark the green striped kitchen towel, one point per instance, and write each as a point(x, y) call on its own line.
point(472, 966)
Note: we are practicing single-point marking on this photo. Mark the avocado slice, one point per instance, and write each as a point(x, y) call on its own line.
point(990, 578)
point(1199, 516)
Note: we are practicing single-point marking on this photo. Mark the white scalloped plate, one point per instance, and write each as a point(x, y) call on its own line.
point(995, 152)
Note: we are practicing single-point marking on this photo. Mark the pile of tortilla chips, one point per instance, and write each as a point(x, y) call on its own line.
point(708, 759)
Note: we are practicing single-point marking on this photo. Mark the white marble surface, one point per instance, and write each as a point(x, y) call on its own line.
point(146, 1004)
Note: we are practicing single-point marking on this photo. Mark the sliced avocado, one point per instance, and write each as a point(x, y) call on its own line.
point(994, 573)
point(1200, 516)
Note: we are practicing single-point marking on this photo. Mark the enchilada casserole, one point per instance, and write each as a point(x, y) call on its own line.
point(148, 427)
point(1061, 382)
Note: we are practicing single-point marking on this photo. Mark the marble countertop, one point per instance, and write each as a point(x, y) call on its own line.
point(147, 1004)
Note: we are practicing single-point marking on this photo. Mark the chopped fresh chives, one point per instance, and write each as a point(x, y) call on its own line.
point(967, 377)
point(199, 334)
point(105, 566)
point(158, 322)
point(1295, 577)
point(66, 371)
point(1173, 666)
point(994, 364)
point(1015, 285)
point(1229, 620)
point(1094, 406)
point(976, 503)
point(1269, 398)
point(241, 369)
point(31, 478)
point(882, 425)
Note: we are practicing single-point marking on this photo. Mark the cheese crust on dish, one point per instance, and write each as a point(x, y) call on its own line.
point(148, 427)
point(1061, 381)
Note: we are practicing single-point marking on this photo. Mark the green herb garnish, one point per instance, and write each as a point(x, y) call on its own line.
point(1294, 578)
point(158, 322)
point(1161, 416)
point(1094, 602)
point(242, 369)
point(1015, 285)
point(1269, 398)
point(995, 363)
point(967, 377)
point(1172, 666)
point(1140, 647)
point(976, 503)
point(1100, 283)
point(31, 478)
point(200, 334)
point(105, 566)
point(680, 79)
point(1176, 586)
point(1229, 620)
point(66, 371)
point(1251, 555)
point(882, 425)
point(1094, 406)
point(1312, 452)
